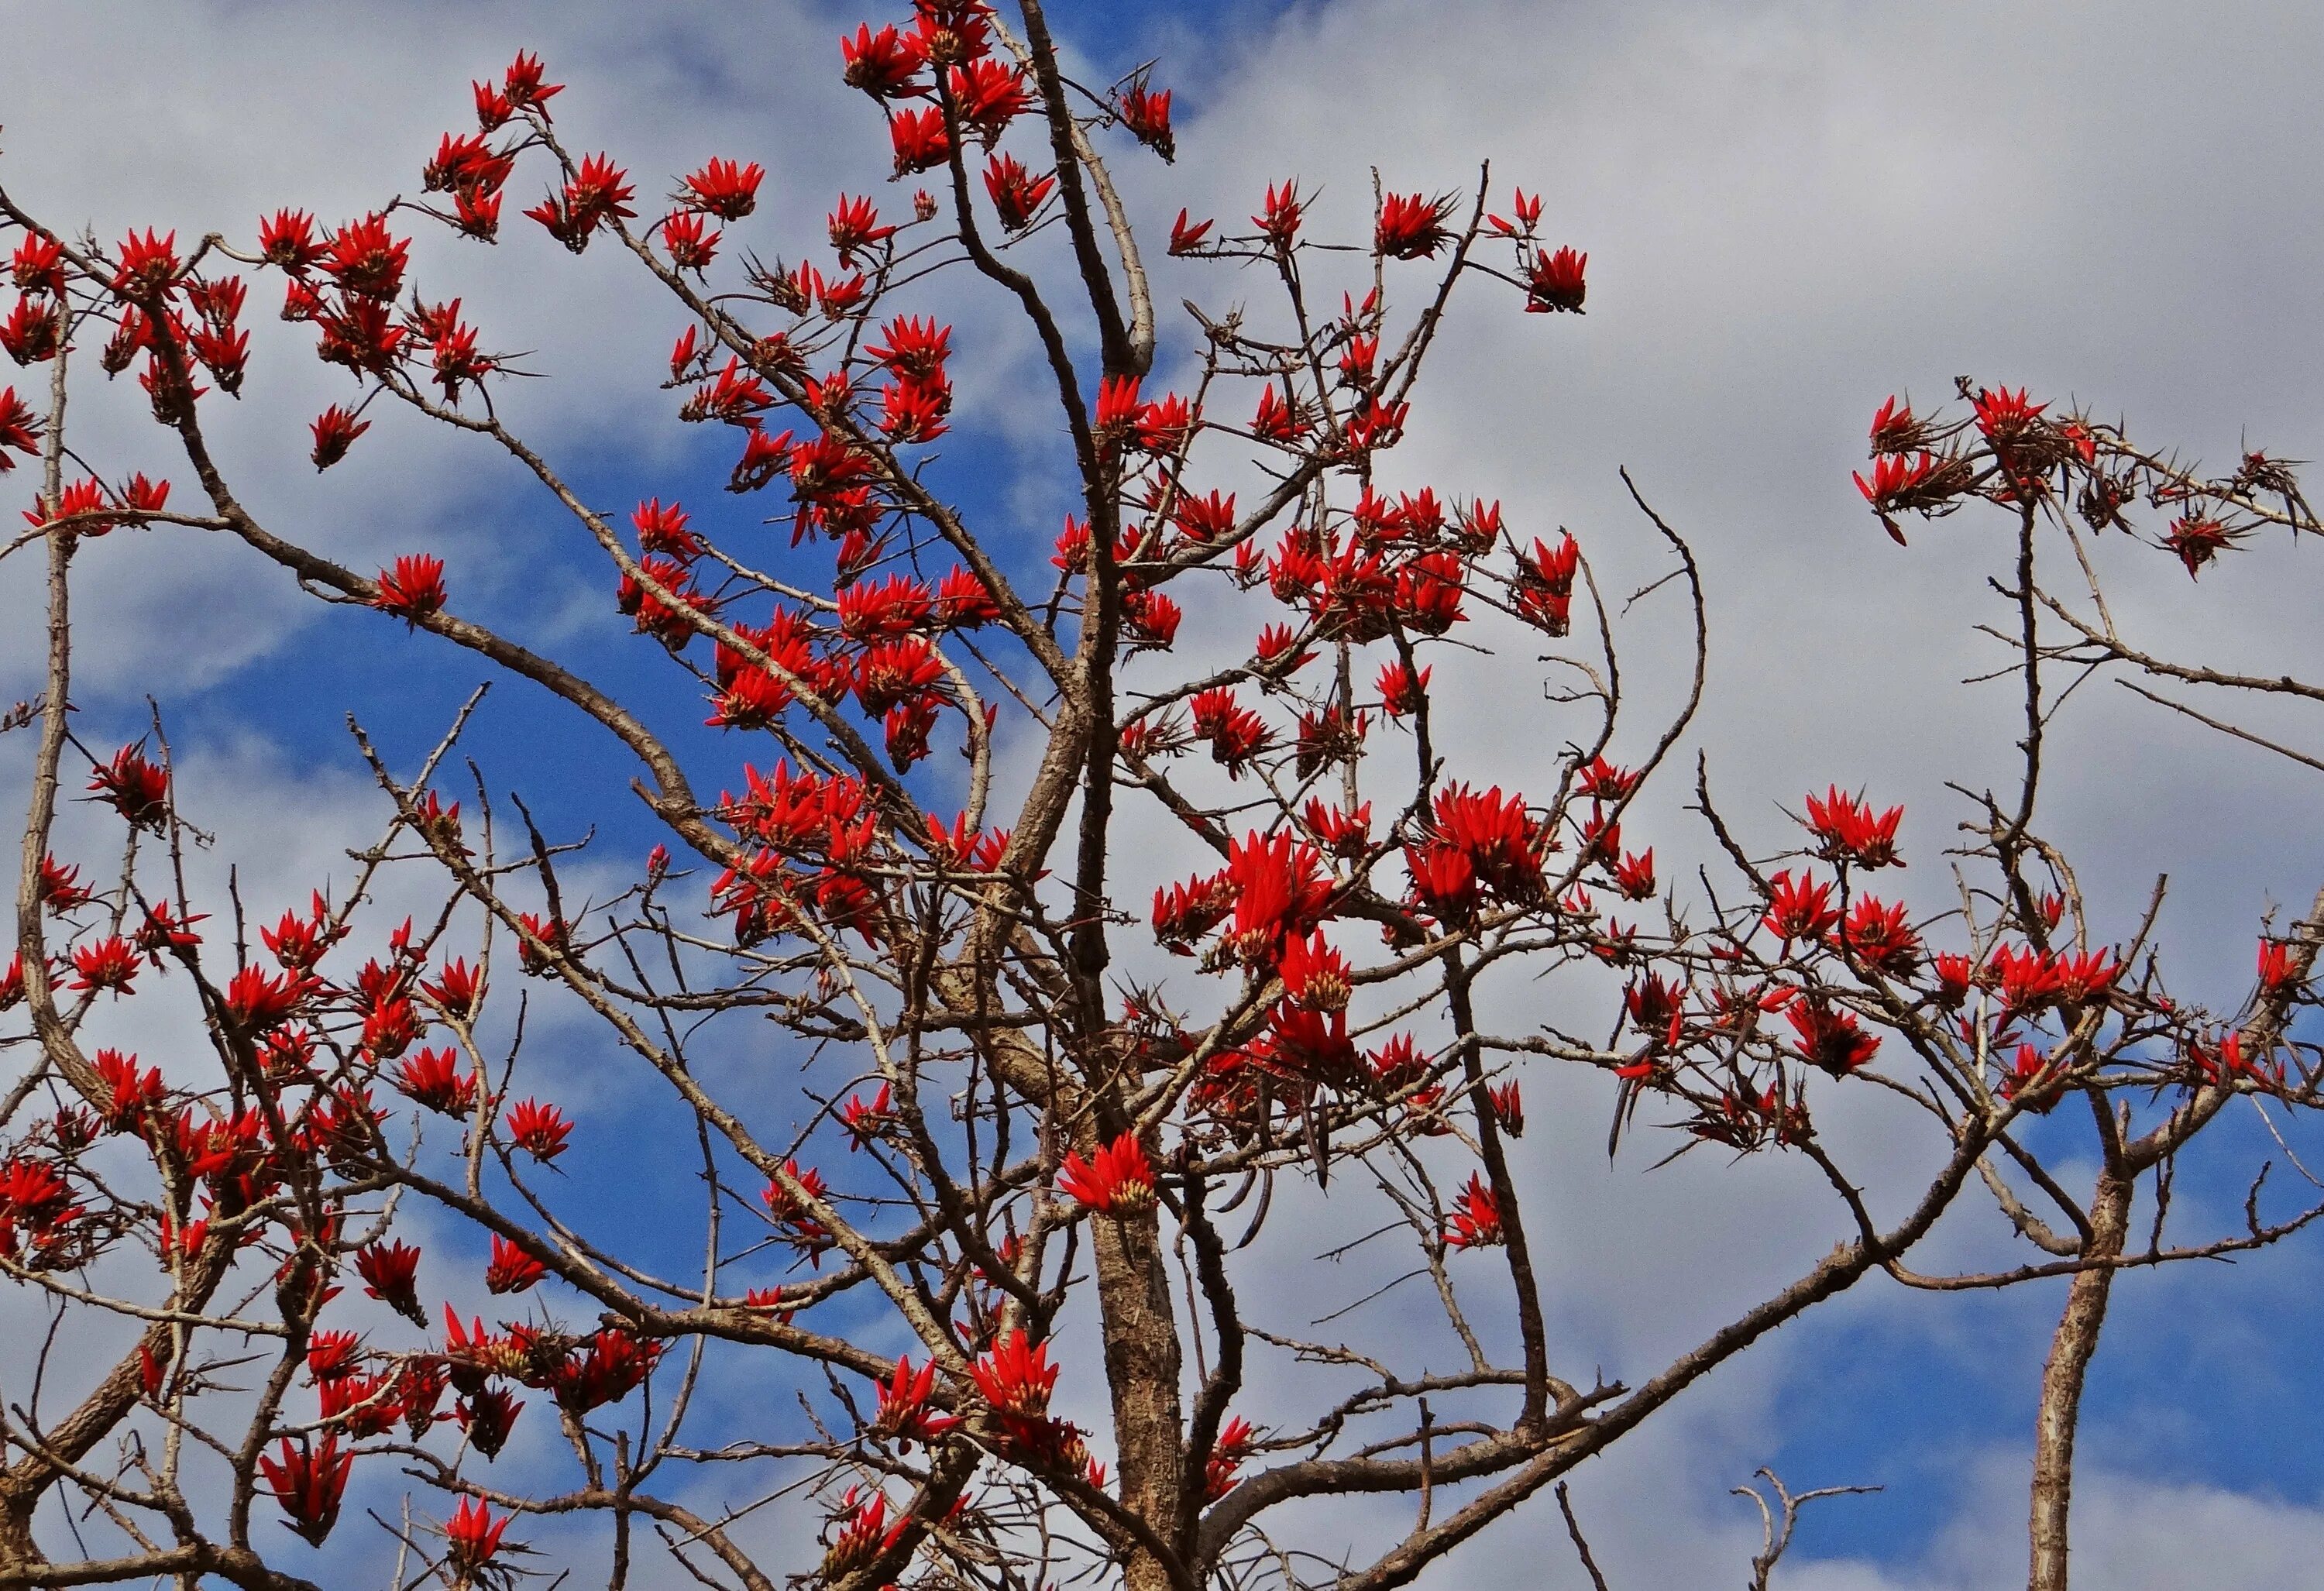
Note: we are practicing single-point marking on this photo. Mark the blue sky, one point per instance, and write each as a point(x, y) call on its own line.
point(1791, 210)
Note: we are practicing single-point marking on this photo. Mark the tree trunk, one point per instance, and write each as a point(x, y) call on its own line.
point(1142, 1366)
point(2070, 1349)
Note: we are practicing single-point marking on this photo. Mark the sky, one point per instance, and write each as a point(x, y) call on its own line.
point(1791, 211)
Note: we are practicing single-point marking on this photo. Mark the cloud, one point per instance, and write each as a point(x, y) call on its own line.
point(2129, 1532)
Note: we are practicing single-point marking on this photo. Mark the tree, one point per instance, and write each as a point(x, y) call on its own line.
point(1028, 1144)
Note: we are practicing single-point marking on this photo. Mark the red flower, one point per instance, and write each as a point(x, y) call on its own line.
point(413, 590)
point(2028, 1081)
point(921, 142)
point(1556, 281)
point(1315, 977)
point(1602, 781)
point(511, 1269)
point(82, 503)
point(1528, 211)
point(865, 1122)
point(135, 788)
point(1493, 834)
point(883, 64)
point(725, 190)
point(540, 1130)
point(524, 86)
point(38, 265)
point(60, 887)
point(547, 931)
point(2197, 539)
point(864, 1537)
point(781, 1207)
point(1276, 421)
point(107, 963)
point(1147, 115)
point(690, 247)
point(1278, 218)
point(2276, 971)
point(1227, 1454)
point(896, 606)
point(33, 1193)
point(298, 942)
point(734, 396)
point(1476, 1217)
point(1117, 1179)
point(333, 1355)
point(133, 1092)
point(1119, 409)
point(1411, 227)
point(1897, 482)
point(664, 529)
point(434, 1079)
point(1205, 518)
point(903, 1412)
point(12, 983)
point(1402, 691)
point(1877, 935)
point(256, 1003)
point(391, 1273)
point(308, 1481)
point(962, 602)
point(364, 258)
point(1895, 429)
point(1150, 620)
point(1016, 1377)
point(1236, 732)
point(1015, 192)
point(390, 1029)
point(854, 225)
point(1163, 424)
point(1508, 1108)
point(143, 496)
point(287, 238)
point(1800, 908)
point(1830, 1039)
point(988, 94)
point(913, 411)
point(20, 429)
point(1428, 591)
point(362, 1405)
point(1846, 830)
point(453, 353)
point(2003, 415)
point(30, 331)
point(488, 1416)
point(149, 264)
point(456, 992)
point(472, 1535)
point(1186, 236)
point(597, 193)
point(1377, 424)
point(1954, 973)
point(335, 429)
point(1633, 875)
point(894, 672)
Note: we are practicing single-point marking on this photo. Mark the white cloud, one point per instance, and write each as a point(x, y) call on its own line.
point(2130, 1534)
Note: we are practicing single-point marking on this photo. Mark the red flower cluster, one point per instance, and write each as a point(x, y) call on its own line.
point(1846, 831)
point(1116, 1179)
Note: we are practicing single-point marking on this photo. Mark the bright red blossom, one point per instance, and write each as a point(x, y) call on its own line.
point(1116, 1179)
point(413, 590)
